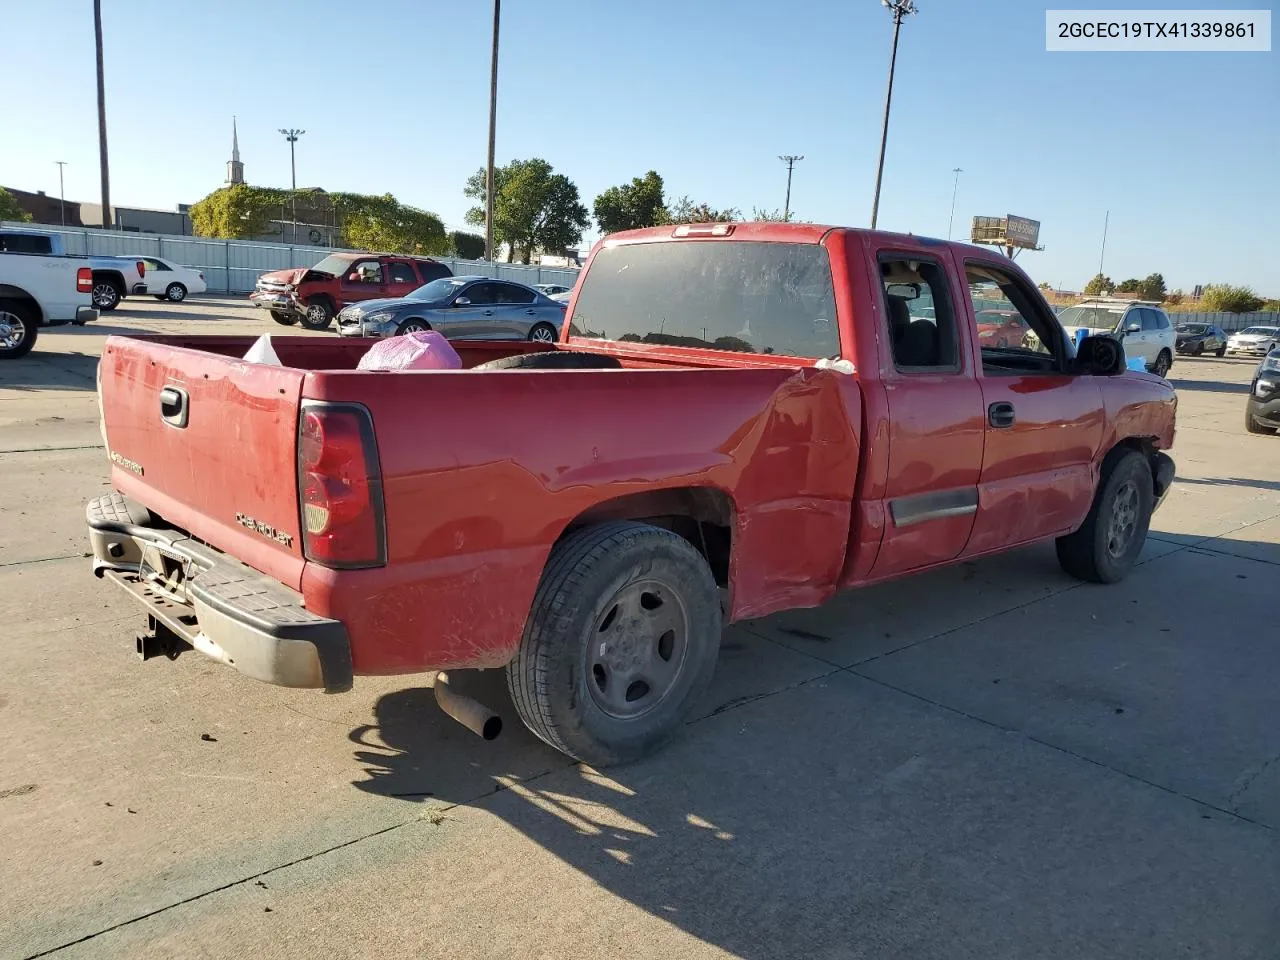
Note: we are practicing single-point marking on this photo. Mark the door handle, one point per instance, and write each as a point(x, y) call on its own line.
point(1000, 414)
point(174, 406)
point(488, 313)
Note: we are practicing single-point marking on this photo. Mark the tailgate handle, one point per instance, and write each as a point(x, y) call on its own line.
point(174, 406)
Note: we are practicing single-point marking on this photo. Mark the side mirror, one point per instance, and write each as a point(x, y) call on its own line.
point(1134, 327)
point(462, 302)
point(1101, 356)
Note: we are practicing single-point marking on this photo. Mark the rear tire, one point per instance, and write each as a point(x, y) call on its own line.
point(620, 643)
point(553, 360)
point(543, 333)
point(280, 317)
point(1107, 544)
point(106, 295)
point(319, 314)
point(175, 293)
point(1251, 425)
point(19, 327)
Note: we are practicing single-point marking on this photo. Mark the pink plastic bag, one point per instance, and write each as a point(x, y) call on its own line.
point(420, 350)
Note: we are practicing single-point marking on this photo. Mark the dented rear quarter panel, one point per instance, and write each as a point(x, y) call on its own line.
point(1138, 406)
point(483, 472)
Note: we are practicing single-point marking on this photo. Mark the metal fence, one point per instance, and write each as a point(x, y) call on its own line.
point(1229, 322)
point(233, 266)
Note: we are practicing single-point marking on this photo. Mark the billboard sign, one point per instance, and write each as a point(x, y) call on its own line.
point(1021, 232)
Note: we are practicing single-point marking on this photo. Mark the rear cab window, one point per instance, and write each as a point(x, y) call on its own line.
point(762, 297)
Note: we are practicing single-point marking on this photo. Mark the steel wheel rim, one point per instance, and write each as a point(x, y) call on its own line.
point(637, 649)
point(12, 330)
point(542, 335)
point(103, 294)
point(315, 313)
point(1124, 519)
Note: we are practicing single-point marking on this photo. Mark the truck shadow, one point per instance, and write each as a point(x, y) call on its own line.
point(1209, 386)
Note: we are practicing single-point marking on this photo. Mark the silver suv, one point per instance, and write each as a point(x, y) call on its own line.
point(1142, 325)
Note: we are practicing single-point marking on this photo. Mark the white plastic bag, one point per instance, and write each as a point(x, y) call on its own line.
point(263, 352)
point(420, 350)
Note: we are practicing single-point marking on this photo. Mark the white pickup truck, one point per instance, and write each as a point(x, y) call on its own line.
point(41, 291)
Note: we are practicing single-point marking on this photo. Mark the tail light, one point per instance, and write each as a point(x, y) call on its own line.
point(84, 280)
point(340, 487)
point(142, 269)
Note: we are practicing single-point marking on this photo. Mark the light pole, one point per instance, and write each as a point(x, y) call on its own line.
point(957, 171)
point(790, 161)
point(62, 191)
point(900, 9)
point(292, 136)
point(1103, 253)
point(493, 132)
point(102, 118)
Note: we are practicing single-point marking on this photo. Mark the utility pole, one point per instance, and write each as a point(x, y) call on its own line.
point(1105, 222)
point(790, 161)
point(955, 188)
point(62, 191)
point(493, 133)
point(900, 8)
point(102, 118)
point(292, 136)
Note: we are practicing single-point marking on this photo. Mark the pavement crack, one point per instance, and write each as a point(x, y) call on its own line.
point(21, 563)
point(1067, 751)
point(1244, 787)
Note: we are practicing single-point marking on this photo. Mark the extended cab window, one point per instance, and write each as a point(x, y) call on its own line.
point(746, 296)
point(922, 325)
point(1016, 335)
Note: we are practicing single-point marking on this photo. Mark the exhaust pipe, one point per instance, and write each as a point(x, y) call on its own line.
point(472, 714)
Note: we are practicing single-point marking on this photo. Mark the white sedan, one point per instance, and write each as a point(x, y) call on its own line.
point(166, 280)
point(1258, 340)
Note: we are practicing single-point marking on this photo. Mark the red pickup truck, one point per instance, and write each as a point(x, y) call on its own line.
point(315, 295)
point(739, 419)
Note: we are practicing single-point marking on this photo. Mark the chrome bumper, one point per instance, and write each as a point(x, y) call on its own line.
point(215, 604)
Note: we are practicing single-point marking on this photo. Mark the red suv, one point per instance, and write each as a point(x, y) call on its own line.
point(314, 295)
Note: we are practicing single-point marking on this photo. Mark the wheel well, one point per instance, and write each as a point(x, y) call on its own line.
point(702, 515)
point(322, 296)
point(10, 292)
point(1143, 445)
point(112, 277)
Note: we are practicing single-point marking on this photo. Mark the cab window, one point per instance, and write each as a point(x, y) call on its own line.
point(922, 325)
point(1038, 346)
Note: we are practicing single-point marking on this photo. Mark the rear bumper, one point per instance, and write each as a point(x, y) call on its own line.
point(215, 604)
point(85, 315)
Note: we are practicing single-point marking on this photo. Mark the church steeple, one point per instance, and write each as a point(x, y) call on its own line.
point(235, 169)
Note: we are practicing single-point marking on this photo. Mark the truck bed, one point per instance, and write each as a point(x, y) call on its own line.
point(482, 471)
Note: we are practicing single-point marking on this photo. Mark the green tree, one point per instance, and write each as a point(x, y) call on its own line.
point(771, 216)
point(685, 210)
point(385, 224)
point(630, 206)
point(468, 246)
point(236, 212)
point(9, 209)
point(1129, 286)
point(1271, 306)
point(1152, 288)
point(533, 207)
point(1230, 299)
point(1099, 286)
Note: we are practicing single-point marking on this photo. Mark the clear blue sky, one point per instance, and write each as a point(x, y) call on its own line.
point(1183, 149)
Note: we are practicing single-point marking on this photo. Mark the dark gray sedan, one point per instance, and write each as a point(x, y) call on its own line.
point(460, 308)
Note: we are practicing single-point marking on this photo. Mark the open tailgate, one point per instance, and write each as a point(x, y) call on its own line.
point(209, 443)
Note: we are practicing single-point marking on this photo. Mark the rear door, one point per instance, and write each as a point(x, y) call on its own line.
point(209, 443)
point(513, 313)
point(1043, 425)
point(935, 412)
point(401, 278)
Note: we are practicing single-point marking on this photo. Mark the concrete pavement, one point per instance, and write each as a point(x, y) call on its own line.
point(987, 761)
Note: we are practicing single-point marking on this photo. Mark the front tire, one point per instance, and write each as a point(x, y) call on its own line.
point(284, 319)
point(1199, 349)
point(19, 327)
point(1221, 352)
point(319, 314)
point(620, 643)
point(175, 293)
point(412, 325)
point(1107, 545)
point(1250, 424)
